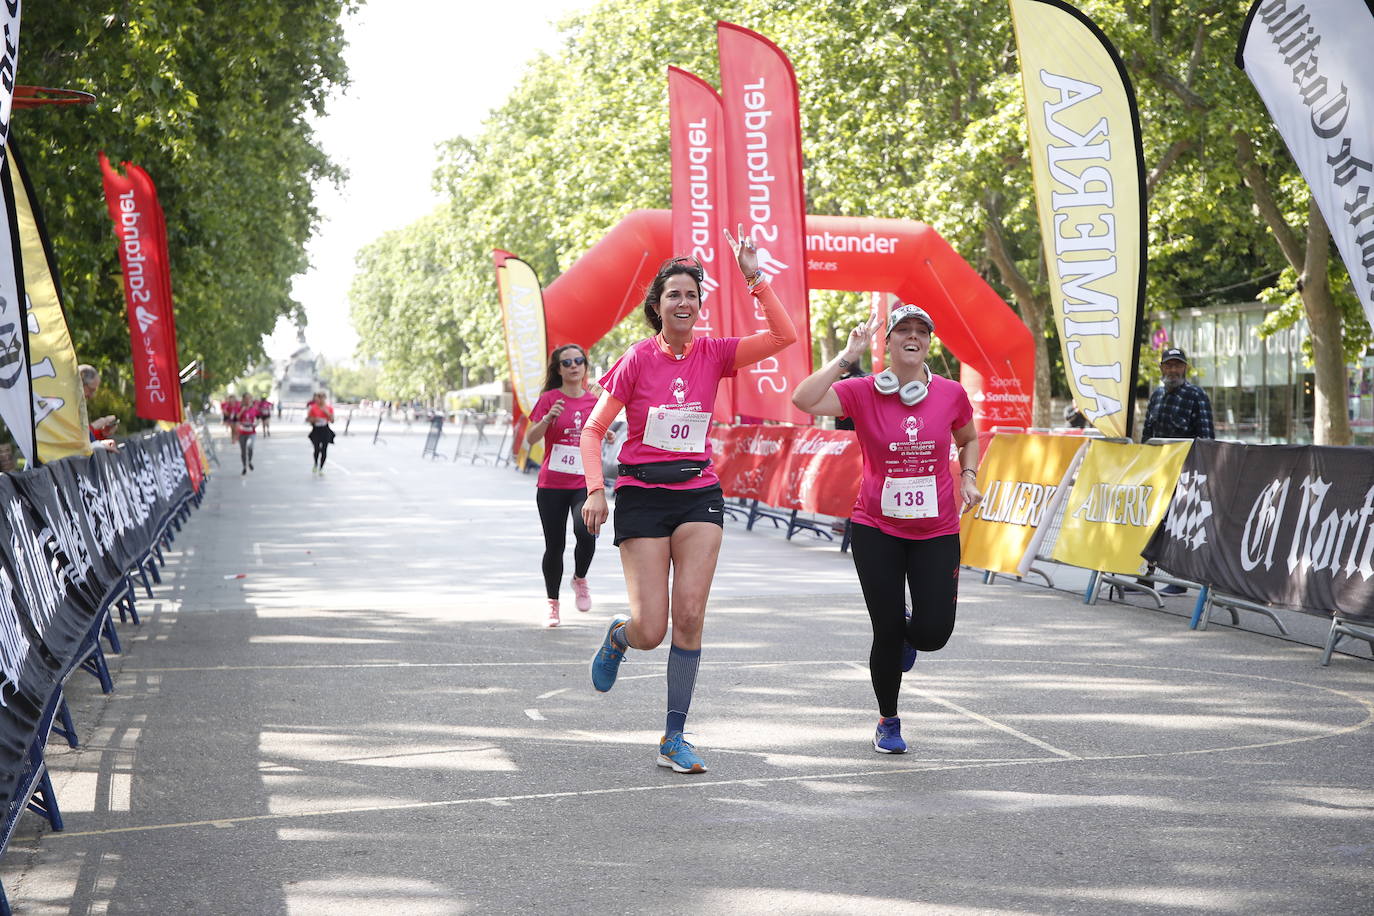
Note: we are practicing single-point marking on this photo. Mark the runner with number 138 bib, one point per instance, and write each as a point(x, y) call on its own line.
point(906, 518)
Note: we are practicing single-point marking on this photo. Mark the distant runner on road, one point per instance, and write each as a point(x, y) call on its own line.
point(669, 507)
point(557, 418)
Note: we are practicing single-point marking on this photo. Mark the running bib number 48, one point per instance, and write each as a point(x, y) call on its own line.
point(565, 459)
point(677, 430)
point(910, 497)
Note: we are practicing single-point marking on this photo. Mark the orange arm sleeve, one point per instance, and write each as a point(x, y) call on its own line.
point(780, 334)
point(603, 414)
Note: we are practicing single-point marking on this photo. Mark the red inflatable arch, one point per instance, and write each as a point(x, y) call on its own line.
point(902, 257)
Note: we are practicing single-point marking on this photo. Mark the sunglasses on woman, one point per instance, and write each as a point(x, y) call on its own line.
point(570, 361)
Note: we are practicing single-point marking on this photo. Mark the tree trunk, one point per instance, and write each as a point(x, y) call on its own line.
point(1330, 415)
point(1331, 419)
point(1032, 311)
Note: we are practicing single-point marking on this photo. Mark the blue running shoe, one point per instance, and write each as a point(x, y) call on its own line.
point(674, 751)
point(908, 650)
point(606, 662)
point(888, 738)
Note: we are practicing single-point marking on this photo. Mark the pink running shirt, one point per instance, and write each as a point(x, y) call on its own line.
point(565, 430)
point(646, 379)
point(901, 443)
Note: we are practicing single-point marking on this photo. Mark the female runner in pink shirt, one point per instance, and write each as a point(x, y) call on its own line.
point(557, 418)
point(669, 508)
point(906, 518)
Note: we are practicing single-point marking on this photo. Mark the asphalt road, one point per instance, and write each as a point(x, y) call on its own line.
point(370, 720)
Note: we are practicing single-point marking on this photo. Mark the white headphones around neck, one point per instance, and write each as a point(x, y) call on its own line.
point(912, 393)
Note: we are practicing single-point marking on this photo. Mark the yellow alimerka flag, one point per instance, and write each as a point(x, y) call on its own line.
point(522, 311)
point(59, 406)
point(1120, 496)
point(1085, 154)
point(1019, 476)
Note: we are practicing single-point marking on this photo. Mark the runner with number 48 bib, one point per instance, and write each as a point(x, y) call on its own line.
point(558, 418)
point(668, 503)
point(906, 518)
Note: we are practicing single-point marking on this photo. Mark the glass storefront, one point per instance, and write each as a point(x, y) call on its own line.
point(1261, 389)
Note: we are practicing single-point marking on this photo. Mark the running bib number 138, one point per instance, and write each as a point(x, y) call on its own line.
point(677, 430)
point(910, 497)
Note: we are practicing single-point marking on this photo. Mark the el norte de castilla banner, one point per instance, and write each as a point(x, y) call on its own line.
point(1310, 62)
point(1287, 525)
point(1085, 153)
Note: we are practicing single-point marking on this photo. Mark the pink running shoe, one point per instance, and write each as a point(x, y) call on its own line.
point(584, 594)
point(552, 620)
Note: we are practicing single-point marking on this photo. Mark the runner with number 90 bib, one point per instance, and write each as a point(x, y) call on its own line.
point(558, 418)
point(669, 508)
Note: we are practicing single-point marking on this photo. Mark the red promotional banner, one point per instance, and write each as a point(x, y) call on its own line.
point(142, 234)
point(766, 194)
point(745, 458)
point(190, 450)
point(821, 473)
point(695, 137)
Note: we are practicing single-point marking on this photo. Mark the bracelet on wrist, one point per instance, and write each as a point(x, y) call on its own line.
point(973, 471)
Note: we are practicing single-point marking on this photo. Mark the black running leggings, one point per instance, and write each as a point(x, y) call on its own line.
point(554, 506)
point(321, 451)
point(887, 565)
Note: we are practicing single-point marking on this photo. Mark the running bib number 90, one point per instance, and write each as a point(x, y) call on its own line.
point(677, 430)
point(565, 459)
point(910, 497)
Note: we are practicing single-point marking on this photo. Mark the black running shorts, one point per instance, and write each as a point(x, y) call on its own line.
point(655, 512)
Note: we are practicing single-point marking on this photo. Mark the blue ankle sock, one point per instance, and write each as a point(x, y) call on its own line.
point(619, 639)
point(682, 679)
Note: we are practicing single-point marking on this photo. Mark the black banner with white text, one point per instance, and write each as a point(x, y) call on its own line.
point(69, 532)
point(1287, 525)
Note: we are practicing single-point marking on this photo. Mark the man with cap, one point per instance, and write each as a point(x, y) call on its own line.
point(1178, 410)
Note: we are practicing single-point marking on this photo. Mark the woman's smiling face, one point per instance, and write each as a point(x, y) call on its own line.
point(680, 304)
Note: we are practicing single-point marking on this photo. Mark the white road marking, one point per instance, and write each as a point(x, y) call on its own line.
point(335, 466)
point(991, 723)
point(535, 714)
point(257, 554)
point(553, 693)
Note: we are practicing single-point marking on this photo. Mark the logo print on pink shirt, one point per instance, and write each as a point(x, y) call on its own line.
point(679, 388)
point(577, 423)
point(913, 427)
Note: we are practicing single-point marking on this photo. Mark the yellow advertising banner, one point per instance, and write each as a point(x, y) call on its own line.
point(522, 312)
point(1119, 498)
point(1085, 154)
point(59, 407)
point(1019, 476)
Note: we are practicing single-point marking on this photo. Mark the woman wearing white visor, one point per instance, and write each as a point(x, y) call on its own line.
point(906, 518)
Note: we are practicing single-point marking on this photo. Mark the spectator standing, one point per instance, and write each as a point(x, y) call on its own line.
point(1178, 410)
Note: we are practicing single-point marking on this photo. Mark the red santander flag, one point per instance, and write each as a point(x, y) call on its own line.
point(699, 203)
point(767, 195)
point(142, 235)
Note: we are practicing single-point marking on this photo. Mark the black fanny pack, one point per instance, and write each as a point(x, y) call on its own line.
point(664, 471)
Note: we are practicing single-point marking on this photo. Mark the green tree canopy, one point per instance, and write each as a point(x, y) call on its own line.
point(214, 100)
point(909, 110)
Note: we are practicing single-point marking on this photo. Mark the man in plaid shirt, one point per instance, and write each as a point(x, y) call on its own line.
point(1178, 408)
